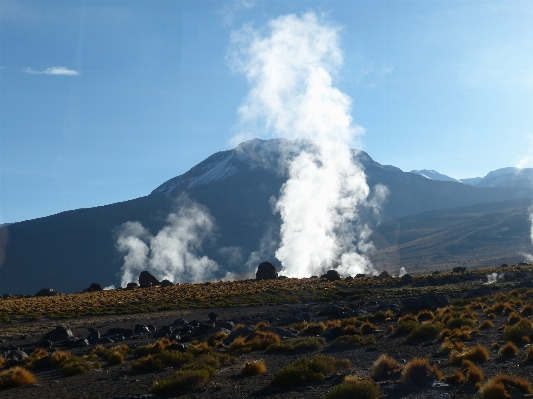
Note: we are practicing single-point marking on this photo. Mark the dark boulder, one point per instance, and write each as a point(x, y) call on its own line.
point(266, 271)
point(47, 292)
point(166, 283)
point(407, 278)
point(241, 332)
point(477, 292)
point(360, 275)
point(384, 275)
point(426, 302)
point(146, 280)
point(525, 284)
point(331, 275)
point(140, 329)
point(131, 286)
point(126, 332)
point(93, 288)
point(46, 344)
point(60, 333)
point(212, 316)
point(504, 265)
point(459, 269)
point(228, 325)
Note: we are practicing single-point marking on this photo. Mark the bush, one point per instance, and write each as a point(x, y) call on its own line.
point(405, 327)
point(256, 341)
point(163, 359)
point(76, 366)
point(298, 345)
point(456, 378)
point(154, 348)
point(513, 318)
point(367, 327)
point(385, 366)
point(509, 349)
point(183, 380)
point(16, 377)
point(486, 324)
point(253, 367)
point(499, 386)
point(474, 375)
point(307, 370)
point(425, 315)
point(418, 372)
point(59, 357)
point(476, 353)
point(459, 322)
point(361, 389)
point(425, 332)
point(529, 355)
point(527, 311)
point(521, 329)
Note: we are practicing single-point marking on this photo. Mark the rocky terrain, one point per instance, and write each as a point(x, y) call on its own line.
point(280, 338)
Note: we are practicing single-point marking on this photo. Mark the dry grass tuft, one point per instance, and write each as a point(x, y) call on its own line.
point(498, 387)
point(487, 323)
point(456, 378)
point(509, 349)
point(527, 311)
point(474, 375)
point(529, 355)
point(360, 389)
point(16, 377)
point(418, 372)
point(253, 367)
point(258, 340)
point(385, 366)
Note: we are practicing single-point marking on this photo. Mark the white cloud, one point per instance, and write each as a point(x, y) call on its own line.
point(231, 8)
point(53, 71)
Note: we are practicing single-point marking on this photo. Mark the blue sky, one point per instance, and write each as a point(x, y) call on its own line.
point(103, 101)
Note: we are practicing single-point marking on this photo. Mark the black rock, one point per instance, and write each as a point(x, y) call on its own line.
point(459, 269)
point(331, 275)
point(426, 302)
point(166, 283)
point(228, 325)
point(60, 333)
point(266, 271)
point(178, 347)
point(140, 329)
point(179, 322)
point(407, 277)
point(212, 316)
point(151, 327)
point(47, 292)
point(525, 284)
point(131, 286)
point(146, 280)
point(238, 333)
point(127, 332)
point(480, 291)
point(93, 288)
point(94, 334)
point(81, 343)
point(44, 344)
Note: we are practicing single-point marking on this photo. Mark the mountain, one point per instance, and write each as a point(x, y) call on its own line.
point(472, 181)
point(508, 177)
point(73, 249)
point(434, 175)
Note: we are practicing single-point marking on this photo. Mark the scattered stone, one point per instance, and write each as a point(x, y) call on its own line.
point(140, 329)
point(331, 275)
point(477, 292)
point(60, 333)
point(126, 332)
point(93, 288)
point(426, 302)
point(266, 271)
point(147, 280)
point(459, 269)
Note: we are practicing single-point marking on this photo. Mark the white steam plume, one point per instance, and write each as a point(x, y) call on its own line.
point(494, 278)
point(289, 66)
point(172, 253)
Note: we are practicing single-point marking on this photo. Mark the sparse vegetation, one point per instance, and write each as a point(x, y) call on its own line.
point(16, 377)
point(509, 349)
point(308, 370)
point(499, 387)
point(384, 367)
point(253, 367)
point(360, 389)
point(298, 345)
point(419, 371)
point(183, 380)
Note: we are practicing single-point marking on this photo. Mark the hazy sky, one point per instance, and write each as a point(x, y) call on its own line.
point(102, 101)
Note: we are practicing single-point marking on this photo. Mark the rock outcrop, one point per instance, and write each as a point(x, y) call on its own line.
point(147, 280)
point(266, 271)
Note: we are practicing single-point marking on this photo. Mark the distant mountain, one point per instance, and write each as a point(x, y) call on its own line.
point(472, 181)
point(508, 177)
point(73, 249)
point(434, 175)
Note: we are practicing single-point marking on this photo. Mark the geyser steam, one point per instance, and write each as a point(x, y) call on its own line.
point(172, 253)
point(289, 65)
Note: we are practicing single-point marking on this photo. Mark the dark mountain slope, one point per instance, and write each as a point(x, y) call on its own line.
point(70, 250)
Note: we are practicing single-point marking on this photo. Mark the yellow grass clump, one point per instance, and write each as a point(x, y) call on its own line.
point(16, 377)
point(253, 367)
